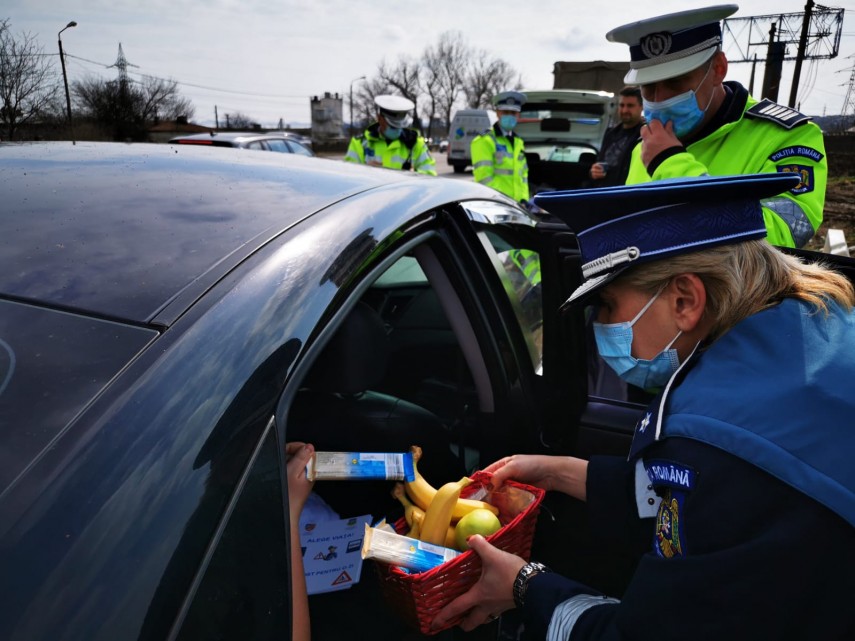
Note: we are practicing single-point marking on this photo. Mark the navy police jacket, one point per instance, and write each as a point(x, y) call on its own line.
point(742, 469)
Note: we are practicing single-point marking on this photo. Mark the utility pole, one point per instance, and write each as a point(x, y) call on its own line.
point(64, 76)
point(800, 55)
point(751, 79)
point(774, 63)
point(216, 118)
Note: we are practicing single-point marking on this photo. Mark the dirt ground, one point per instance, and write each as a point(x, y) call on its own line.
point(839, 211)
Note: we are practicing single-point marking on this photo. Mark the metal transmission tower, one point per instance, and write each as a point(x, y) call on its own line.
point(811, 35)
point(849, 100)
point(122, 65)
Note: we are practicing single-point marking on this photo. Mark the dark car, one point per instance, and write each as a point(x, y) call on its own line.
point(280, 141)
point(169, 320)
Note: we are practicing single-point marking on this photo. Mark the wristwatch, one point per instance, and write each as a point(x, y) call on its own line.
point(523, 576)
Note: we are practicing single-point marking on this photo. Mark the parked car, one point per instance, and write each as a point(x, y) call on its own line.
point(563, 130)
point(280, 141)
point(169, 320)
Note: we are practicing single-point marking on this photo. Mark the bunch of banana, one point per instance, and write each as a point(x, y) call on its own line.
point(422, 493)
point(431, 513)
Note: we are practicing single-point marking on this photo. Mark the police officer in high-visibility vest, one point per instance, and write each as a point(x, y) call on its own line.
point(389, 143)
point(498, 155)
point(698, 124)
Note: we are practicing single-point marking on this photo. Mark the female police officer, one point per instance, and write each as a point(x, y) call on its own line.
point(740, 467)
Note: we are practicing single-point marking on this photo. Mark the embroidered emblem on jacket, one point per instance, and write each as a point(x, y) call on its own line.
point(804, 172)
point(668, 541)
point(797, 150)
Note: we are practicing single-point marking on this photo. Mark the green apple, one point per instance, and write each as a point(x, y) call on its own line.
point(478, 521)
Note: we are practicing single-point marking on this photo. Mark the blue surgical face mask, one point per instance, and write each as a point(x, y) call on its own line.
point(508, 122)
point(392, 133)
point(614, 342)
point(682, 110)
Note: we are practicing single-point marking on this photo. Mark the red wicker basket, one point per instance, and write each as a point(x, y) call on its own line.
point(418, 598)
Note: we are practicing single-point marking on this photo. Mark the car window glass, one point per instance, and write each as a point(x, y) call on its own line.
point(256, 144)
point(243, 593)
point(405, 271)
point(278, 145)
point(297, 148)
point(519, 270)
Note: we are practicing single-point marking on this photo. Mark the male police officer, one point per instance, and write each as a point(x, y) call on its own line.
point(698, 124)
point(388, 143)
point(498, 156)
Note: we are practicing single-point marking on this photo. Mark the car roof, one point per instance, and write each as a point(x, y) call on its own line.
point(126, 231)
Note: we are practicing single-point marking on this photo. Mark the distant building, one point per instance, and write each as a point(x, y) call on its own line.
point(326, 117)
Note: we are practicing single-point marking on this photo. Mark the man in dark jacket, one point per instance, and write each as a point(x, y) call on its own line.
point(612, 163)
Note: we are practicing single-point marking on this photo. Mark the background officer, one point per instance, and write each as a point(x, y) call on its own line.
point(698, 124)
point(498, 156)
point(389, 143)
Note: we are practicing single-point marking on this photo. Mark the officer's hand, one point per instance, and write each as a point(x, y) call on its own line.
point(597, 171)
point(562, 473)
point(491, 595)
point(532, 469)
point(656, 138)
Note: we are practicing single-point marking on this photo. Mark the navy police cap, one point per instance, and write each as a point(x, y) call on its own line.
point(509, 101)
point(621, 227)
point(671, 45)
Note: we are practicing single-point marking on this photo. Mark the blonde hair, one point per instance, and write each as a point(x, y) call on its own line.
point(745, 278)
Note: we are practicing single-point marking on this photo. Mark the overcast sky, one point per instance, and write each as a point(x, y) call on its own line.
point(266, 58)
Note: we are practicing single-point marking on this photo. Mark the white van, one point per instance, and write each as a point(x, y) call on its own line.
point(465, 126)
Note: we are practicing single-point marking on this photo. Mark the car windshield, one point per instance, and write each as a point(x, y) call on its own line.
point(39, 391)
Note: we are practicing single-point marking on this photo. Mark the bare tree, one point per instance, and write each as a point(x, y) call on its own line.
point(452, 54)
point(160, 100)
point(448, 74)
point(29, 87)
point(487, 76)
point(445, 72)
point(130, 107)
point(238, 120)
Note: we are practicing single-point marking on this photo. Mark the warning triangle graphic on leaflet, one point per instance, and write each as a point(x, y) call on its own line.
point(344, 577)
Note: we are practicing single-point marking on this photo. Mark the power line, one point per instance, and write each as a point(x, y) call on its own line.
point(197, 86)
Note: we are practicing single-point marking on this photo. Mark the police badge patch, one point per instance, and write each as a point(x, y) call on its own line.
point(804, 172)
point(673, 482)
point(669, 539)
